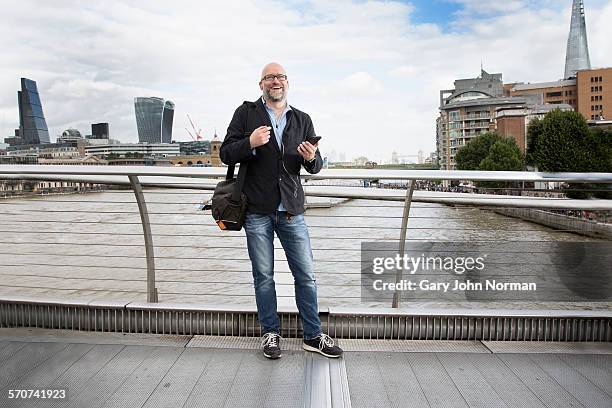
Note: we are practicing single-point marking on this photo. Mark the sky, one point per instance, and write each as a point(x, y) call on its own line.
point(368, 72)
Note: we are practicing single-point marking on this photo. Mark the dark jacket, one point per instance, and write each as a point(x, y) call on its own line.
point(267, 180)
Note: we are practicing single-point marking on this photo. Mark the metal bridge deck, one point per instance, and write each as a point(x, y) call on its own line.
point(136, 370)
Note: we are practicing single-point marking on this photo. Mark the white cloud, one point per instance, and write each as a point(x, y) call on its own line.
point(368, 75)
point(484, 7)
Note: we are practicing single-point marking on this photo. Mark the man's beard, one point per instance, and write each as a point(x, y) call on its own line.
point(275, 98)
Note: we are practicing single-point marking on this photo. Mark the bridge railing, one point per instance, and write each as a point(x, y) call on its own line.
point(146, 227)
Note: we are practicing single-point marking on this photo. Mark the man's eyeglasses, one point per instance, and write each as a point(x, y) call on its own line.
point(270, 78)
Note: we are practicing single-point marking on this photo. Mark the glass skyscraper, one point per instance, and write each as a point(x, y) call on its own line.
point(32, 124)
point(577, 55)
point(99, 131)
point(154, 119)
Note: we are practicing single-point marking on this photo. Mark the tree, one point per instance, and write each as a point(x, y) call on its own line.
point(601, 150)
point(504, 155)
point(534, 130)
point(563, 142)
point(469, 156)
point(490, 152)
point(560, 142)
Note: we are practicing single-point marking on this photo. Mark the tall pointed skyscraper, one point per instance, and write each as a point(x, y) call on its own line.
point(577, 55)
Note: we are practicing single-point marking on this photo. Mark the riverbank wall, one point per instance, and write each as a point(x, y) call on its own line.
point(559, 221)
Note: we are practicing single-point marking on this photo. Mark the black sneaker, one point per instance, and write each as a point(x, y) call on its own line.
point(323, 344)
point(271, 345)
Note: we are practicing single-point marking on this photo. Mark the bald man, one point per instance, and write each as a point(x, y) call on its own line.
point(270, 135)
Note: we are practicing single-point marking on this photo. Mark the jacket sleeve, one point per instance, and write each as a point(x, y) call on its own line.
point(316, 165)
point(236, 147)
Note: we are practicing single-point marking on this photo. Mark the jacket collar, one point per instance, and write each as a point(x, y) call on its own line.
point(261, 108)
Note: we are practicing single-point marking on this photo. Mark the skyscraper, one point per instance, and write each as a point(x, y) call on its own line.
point(577, 55)
point(154, 119)
point(99, 131)
point(32, 124)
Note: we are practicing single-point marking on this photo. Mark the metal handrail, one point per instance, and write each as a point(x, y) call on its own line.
point(340, 174)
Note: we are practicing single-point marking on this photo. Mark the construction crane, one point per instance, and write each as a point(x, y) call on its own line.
point(198, 133)
point(191, 135)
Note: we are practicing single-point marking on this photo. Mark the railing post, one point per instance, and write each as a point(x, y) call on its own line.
point(148, 238)
point(399, 275)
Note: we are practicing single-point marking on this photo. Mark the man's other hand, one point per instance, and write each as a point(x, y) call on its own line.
point(307, 150)
point(260, 136)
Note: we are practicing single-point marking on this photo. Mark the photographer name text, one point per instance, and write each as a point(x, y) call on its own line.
point(454, 285)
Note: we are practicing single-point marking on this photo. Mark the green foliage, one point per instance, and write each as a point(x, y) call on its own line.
point(534, 131)
point(563, 142)
point(560, 143)
point(469, 156)
point(504, 155)
point(490, 152)
point(601, 145)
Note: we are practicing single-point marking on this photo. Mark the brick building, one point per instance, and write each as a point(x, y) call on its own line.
point(513, 121)
point(553, 93)
point(595, 93)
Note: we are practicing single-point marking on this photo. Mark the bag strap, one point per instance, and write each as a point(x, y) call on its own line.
point(242, 170)
point(230, 172)
point(239, 182)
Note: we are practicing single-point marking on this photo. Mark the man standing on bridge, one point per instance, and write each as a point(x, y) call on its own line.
point(276, 204)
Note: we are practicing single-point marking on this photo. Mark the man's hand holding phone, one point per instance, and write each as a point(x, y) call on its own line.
point(260, 136)
point(308, 149)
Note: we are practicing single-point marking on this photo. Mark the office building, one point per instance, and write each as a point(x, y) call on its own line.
point(14, 140)
point(99, 131)
point(72, 148)
point(147, 149)
point(195, 147)
point(154, 119)
point(554, 93)
point(595, 93)
point(32, 124)
point(69, 135)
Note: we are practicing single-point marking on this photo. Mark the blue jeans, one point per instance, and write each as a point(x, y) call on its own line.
point(293, 234)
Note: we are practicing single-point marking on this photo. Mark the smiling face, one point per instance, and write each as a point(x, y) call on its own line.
point(273, 89)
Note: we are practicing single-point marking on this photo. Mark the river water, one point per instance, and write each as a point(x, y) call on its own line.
point(90, 246)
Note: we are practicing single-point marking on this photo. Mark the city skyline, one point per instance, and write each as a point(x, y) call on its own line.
point(346, 61)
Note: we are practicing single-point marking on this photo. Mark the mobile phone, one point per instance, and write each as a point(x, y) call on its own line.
point(313, 139)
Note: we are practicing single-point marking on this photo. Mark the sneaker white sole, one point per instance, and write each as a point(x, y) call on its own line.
point(316, 350)
point(272, 357)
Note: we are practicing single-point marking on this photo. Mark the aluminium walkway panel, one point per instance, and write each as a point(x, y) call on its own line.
point(198, 373)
